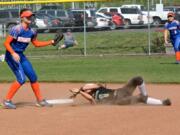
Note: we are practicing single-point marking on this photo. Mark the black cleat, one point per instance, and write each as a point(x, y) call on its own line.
point(167, 102)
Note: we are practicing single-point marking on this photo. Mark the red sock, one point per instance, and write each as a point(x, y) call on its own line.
point(178, 56)
point(13, 89)
point(36, 90)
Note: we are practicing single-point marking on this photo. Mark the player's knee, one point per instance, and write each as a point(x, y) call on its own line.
point(33, 79)
point(176, 48)
point(22, 81)
point(138, 80)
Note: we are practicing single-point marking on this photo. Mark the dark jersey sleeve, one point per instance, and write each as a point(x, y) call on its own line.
point(101, 93)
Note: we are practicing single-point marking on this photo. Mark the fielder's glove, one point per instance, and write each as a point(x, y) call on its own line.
point(57, 38)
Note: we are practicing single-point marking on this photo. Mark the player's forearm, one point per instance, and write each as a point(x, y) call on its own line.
point(88, 97)
point(7, 44)
point(42, 43)
point(165, 35)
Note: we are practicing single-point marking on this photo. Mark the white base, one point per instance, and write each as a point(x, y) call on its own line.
point(60, 101)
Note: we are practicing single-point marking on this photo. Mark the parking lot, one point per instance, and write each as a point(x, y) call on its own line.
point(139, 34)
point(49, 18)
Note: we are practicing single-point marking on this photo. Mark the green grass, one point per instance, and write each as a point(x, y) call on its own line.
point(103, 42)
point(61, 68)
point(156, 69)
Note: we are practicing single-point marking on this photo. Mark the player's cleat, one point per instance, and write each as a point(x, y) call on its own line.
point(8, 104)
point(177, 62)
point(43, 103)
point(167, 102)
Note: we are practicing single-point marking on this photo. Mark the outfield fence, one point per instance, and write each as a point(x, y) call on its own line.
point(133, 41)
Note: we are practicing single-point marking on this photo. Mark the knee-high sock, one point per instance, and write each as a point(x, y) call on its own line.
point(13, 89)
point(178, 56)
point(142, 89)
point(153, 101)
point(36, 90)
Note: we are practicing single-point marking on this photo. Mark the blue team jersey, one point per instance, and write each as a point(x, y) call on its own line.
point(174, 28)
point(21, 37)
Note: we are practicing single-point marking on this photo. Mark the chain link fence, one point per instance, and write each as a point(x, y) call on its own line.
point(93, 41)
point(132, 41)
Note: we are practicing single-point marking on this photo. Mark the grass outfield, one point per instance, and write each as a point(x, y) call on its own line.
point(155, 69)
point(102, 42)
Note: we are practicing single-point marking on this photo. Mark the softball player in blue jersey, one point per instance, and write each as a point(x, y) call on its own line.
point(173, 28)
point(16, 42)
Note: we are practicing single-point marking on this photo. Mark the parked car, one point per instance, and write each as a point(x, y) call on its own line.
point(62, 15)
point(158, 17)
point(78, 18)
point(103, 21)
point(175, 9)
point(55, 7)
point(117, 20)
point(105, 15)
point(40, 25)
point(145, 19)
point(90, 16)
point(141, 7)
point(135, 16)
point(132, 16)
point(52, 22)
point(9, 18)
point(42, 22)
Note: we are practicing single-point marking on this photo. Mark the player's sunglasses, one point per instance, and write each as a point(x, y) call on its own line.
point(170, 16)
point(32, 18)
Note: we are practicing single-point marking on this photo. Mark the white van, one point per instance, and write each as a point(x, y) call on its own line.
point(157, 16)
point(132, 16)
point(141, 7)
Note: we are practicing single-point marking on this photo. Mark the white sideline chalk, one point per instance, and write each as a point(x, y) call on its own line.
point(60, 101)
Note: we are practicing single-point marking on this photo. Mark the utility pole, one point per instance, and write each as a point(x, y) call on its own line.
point(152, 3)
point(149, 31)
point(73, 5)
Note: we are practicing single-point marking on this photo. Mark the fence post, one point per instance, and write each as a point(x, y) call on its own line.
point(85, 40)
point(149, 31)
point(2, 30)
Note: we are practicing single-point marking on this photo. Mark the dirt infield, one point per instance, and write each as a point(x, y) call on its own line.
point(84, 119)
